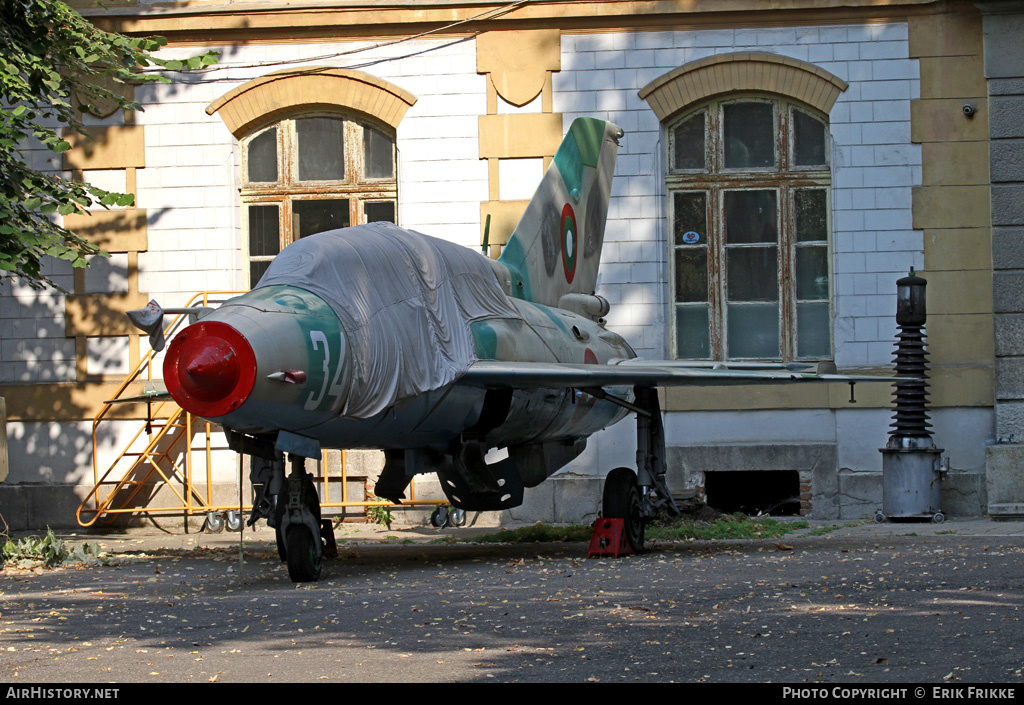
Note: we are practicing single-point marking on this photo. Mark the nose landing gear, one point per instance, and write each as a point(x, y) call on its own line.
point(300, 526)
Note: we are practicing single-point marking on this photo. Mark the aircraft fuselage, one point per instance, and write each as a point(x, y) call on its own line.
point(302, 370)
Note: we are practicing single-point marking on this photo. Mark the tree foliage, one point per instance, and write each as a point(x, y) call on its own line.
point(54, 66)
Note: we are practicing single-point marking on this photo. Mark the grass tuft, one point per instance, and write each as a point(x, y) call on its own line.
point(537, 533)
point(732, 526)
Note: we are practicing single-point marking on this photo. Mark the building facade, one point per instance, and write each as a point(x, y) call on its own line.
point(784, 164)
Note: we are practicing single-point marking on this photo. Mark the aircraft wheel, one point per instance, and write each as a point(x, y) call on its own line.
point(622, 501)
point(304, 563)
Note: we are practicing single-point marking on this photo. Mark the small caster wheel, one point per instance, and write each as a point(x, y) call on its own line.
point(938, 518)
point(233, 521)
point(879, 518)
point(214, 523)
point(457, 517)
point(439, 517)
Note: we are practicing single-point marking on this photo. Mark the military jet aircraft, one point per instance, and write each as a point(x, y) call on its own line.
point(376, 336)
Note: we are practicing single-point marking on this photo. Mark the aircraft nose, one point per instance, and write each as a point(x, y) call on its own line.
point(210, 369)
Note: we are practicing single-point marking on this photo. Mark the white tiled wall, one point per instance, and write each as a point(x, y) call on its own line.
point(874, 166)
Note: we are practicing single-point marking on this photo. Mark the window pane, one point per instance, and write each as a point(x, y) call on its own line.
point(808, 140)
point(382, 211)
point(749, 135)
point(688, 138)
point(321, 148)
point(693, 337)
point(753, 331)
point(379, 154)
point(264, 231)
point(750, 216)
point(311, 217)
point(691, 217)
point(811, 273)
point(813, 332)
point(691, 274)
point(752, 274)
point(811, 216)
point(256, 271)
point(262, 157)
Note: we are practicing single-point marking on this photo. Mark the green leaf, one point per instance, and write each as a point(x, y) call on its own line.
point(47, 51)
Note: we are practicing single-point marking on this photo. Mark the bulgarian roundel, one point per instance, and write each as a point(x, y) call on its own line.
point(570, 242)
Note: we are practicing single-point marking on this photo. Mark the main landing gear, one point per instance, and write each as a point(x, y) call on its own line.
point(636, 498)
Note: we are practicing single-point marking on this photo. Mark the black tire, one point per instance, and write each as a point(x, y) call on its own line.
point(621, 500)
point(304, 563)
point(457, 517)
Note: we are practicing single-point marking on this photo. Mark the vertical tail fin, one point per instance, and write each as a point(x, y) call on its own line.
point(556, 247)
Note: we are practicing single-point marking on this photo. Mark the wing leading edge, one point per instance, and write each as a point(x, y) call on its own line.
point(492, 374)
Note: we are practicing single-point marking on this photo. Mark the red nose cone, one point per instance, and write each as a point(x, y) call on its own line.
point(210, 369)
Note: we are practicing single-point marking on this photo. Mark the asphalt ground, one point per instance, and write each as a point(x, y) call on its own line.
point(907, 603)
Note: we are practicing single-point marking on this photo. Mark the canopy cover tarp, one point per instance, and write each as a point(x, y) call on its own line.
point(405, 301)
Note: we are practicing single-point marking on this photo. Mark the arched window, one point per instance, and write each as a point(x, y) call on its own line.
point(748, 196)
point(313, 172)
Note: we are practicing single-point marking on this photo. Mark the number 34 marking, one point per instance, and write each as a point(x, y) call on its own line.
point(335, 390)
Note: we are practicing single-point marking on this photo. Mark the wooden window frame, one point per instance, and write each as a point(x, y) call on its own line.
point(355, 187)
point(785, 178)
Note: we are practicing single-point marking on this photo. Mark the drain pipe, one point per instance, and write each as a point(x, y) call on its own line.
point(911, 464)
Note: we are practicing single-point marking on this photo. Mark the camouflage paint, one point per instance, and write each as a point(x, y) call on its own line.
point(520, 274)
point(485, 340)
point(556, 246)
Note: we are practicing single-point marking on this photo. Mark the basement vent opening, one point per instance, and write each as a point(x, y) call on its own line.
point(771, 492)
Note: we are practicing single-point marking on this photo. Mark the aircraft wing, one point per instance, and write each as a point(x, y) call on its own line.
point(539, 375)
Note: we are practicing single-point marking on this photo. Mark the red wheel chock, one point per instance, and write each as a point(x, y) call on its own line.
point(608, 539)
